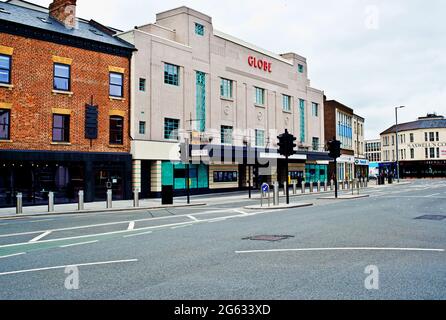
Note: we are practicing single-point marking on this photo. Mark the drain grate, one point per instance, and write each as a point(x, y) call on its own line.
point(431, 217)
point(268, 238)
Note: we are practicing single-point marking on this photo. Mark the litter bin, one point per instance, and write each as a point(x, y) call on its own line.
point(167, 195)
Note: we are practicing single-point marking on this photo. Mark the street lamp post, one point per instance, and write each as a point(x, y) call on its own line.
point(397, 147)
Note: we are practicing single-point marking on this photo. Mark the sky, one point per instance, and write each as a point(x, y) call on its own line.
point(369, 55)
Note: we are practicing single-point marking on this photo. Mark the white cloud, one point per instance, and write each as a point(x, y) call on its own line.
point(402, 62)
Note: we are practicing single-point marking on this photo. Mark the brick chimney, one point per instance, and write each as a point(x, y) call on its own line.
point(64, 11)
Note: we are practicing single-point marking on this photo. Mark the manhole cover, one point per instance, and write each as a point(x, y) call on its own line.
point(431, 217)
point(268, 238)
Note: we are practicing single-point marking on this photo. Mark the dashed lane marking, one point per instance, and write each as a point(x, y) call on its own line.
point(78, 244)
point(43, 235)
point(13, 255)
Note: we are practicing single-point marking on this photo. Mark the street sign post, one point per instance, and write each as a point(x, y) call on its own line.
point(263, 192)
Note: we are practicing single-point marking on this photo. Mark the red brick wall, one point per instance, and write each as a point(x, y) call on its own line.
point(33, 100)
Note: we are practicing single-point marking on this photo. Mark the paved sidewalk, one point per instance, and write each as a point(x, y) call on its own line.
point(93, 207)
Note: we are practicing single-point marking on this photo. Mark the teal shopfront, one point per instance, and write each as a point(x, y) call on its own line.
point(174, 174)
point(316, 172)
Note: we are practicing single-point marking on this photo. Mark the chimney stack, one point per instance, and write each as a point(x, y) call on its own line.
point(64, 11)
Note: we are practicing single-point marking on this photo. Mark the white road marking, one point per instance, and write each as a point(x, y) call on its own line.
point(179, 227)
point(43, 235)
point(13, 255)
point(138, 234)
point(66, 266)
point(341, 249)
point(78, 244)
point(240, 211)
point(433, 195)
point(112, 223)
point(193, 218)
point(37, 221)
point(131, 225)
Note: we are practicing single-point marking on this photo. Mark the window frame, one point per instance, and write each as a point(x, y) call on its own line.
point(142, 81)
point(300, 68)
point(142, 125)
point(257, 131)
point(115, 85)
point(65, 130)
point(110, 131)
point(199, 29)
point(9, 70)
point(224, 134)
point(257, 90)
point(431, 136)
point(286, 106)
point(57, 77)
point(171, 79)
point(224, 85)
point(318, 140)
point(8, 125)
point(168, 137)
point(315, 107)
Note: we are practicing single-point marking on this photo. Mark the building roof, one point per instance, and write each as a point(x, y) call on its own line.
point(41, 20)
point(429, 122)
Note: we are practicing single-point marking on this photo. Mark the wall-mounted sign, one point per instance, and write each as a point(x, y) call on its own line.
point(260, 64)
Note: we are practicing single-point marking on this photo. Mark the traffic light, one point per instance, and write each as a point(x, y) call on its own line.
point(334, 148)
point(286, 144)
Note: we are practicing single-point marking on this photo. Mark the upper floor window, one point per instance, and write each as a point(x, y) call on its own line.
point(142, 84)
point(142, 127)
point(431, 136)
point(171, 74)
point(300, 68)
point(5, 119)
point(315, 109)
point(199, 29)
point(171, 127)
point(426, 137)
point(412, 138)
point(61, 128)
point(315, 144)
point(286, 103)
point(116, 84)
point(437, 136)
point(259, 96)
point(260, 138)
point(62, 75)
point(226, 134)
point(226, 88)
point(5, 69)
point(116, 130)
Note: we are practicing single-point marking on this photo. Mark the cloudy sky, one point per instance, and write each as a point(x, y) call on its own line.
point(370, 55)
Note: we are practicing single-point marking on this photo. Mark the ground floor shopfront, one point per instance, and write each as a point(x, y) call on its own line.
point(36, 173)
point(416, 169)
point(225, 169)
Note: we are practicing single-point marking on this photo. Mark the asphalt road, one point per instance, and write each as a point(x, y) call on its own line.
point(200, 252)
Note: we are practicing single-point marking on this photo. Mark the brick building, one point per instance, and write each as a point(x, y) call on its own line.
point(53, 68)
point(344, 125)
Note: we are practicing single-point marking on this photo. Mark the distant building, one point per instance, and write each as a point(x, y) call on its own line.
point(421, 150)
point(373, 155)
point(343, 124)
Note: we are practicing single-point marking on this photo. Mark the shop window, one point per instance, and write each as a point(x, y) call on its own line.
point(5, 120)
point(5, 69)
point(61, 128)
point(116, 130)
point(62, 75)
point(225, 176)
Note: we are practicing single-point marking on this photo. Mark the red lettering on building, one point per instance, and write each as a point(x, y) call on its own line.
point(260, 64)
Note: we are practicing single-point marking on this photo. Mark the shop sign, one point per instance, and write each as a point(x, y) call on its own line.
point(260, 64)
point(362, 162)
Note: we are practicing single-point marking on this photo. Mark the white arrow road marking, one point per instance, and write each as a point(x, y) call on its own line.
point(13, 255)
point(341, 249)
point(131, 225)
point(71, 265)
point(43, 235)
point(193, 218)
